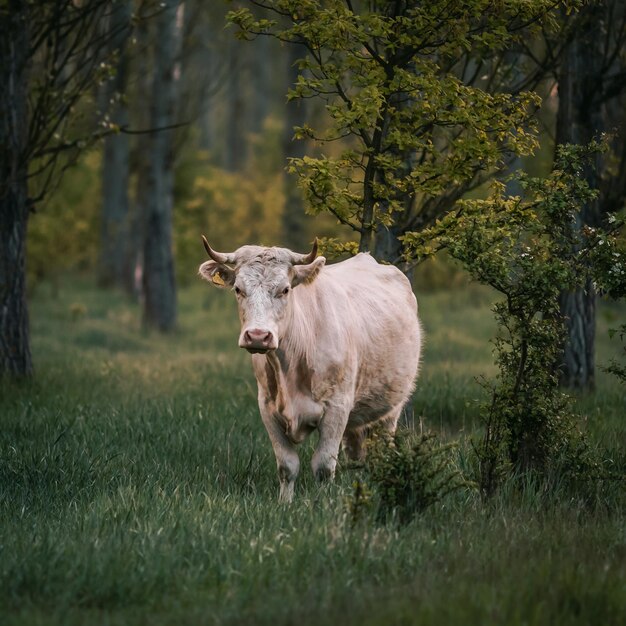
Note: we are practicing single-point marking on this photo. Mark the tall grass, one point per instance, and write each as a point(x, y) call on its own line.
point(137, 485)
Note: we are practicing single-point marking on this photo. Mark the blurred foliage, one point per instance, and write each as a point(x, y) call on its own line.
point(64, 233)
point(439, 272)
point(230, 208)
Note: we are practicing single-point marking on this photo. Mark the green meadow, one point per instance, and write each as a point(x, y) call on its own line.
point(138, 486)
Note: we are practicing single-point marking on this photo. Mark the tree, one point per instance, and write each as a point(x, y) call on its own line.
point(15, 357)
point(235, 145)
point(115, 266)
point(592, 74)
point(295, 116)
point(201, 76)
point(51, 55)
point(423, 97)
point(159, 284)
point(140, 156)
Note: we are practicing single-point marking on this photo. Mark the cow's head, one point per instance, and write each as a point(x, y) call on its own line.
point(262, 279)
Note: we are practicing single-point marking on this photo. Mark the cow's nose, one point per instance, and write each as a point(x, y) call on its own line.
point(255, 335)
point(257, 338)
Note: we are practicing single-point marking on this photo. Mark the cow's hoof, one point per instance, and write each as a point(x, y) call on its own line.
point(324, 474)
point(286, 492)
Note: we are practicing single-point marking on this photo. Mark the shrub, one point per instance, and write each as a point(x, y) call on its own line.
point(404, 476)
point(529, 250)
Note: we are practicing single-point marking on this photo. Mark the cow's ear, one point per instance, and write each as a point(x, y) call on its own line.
point(217, 274)
point(304, 274)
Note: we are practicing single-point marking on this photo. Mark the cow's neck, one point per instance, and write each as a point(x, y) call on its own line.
point(276, 379)
point(289, 373)
point(299, 333)
point(289, 386)
point(286, 365)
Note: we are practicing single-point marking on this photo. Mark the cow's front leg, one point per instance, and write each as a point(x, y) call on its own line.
point(331, 428)
point(287, 460)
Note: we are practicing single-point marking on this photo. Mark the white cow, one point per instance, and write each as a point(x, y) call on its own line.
point(334, 348)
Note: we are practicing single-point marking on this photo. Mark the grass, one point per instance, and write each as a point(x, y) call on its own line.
point(137, 485)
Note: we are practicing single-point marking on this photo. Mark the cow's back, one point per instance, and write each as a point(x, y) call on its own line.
point(376, 298)
point(376, 312)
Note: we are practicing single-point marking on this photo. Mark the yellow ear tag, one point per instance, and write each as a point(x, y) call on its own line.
point(218, 280)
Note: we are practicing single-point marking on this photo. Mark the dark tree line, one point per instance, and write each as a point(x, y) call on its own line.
point(189, 68)
point(114, 258)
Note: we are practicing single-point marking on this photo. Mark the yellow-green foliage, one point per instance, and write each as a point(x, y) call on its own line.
point(231, 210)
point(63, 234)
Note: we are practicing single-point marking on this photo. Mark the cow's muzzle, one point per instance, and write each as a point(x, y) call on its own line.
point(257, 341)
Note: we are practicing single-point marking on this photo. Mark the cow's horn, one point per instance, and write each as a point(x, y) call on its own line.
point(305, 259)
point(218, 257)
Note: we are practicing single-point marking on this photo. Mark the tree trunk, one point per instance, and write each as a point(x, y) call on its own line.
point(158, 271)
point(15, 356)
point(386, 240)
point(140, 156)
point(578, 308)
point(259, 64)
point(294, 232)
point(205, 58)
point(235, 148)
point(388, 247)
point(613, 193)
point(579, 119)
point(115, 267)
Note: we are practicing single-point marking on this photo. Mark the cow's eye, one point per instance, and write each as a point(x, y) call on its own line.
point(238, 291)
point(285, 291)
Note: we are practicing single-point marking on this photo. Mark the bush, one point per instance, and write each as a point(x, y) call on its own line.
point(529, 250)
point(404, 477)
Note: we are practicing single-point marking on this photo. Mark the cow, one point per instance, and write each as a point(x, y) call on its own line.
point(335, 348)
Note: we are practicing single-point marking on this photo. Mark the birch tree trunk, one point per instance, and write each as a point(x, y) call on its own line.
point(579, 119)
point(159, 286)
point(15, 356)
point(114, 266)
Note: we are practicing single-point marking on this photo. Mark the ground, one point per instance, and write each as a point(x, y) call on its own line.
point(137, 485)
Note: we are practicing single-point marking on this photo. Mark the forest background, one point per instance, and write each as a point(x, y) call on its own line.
point(414, 110)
